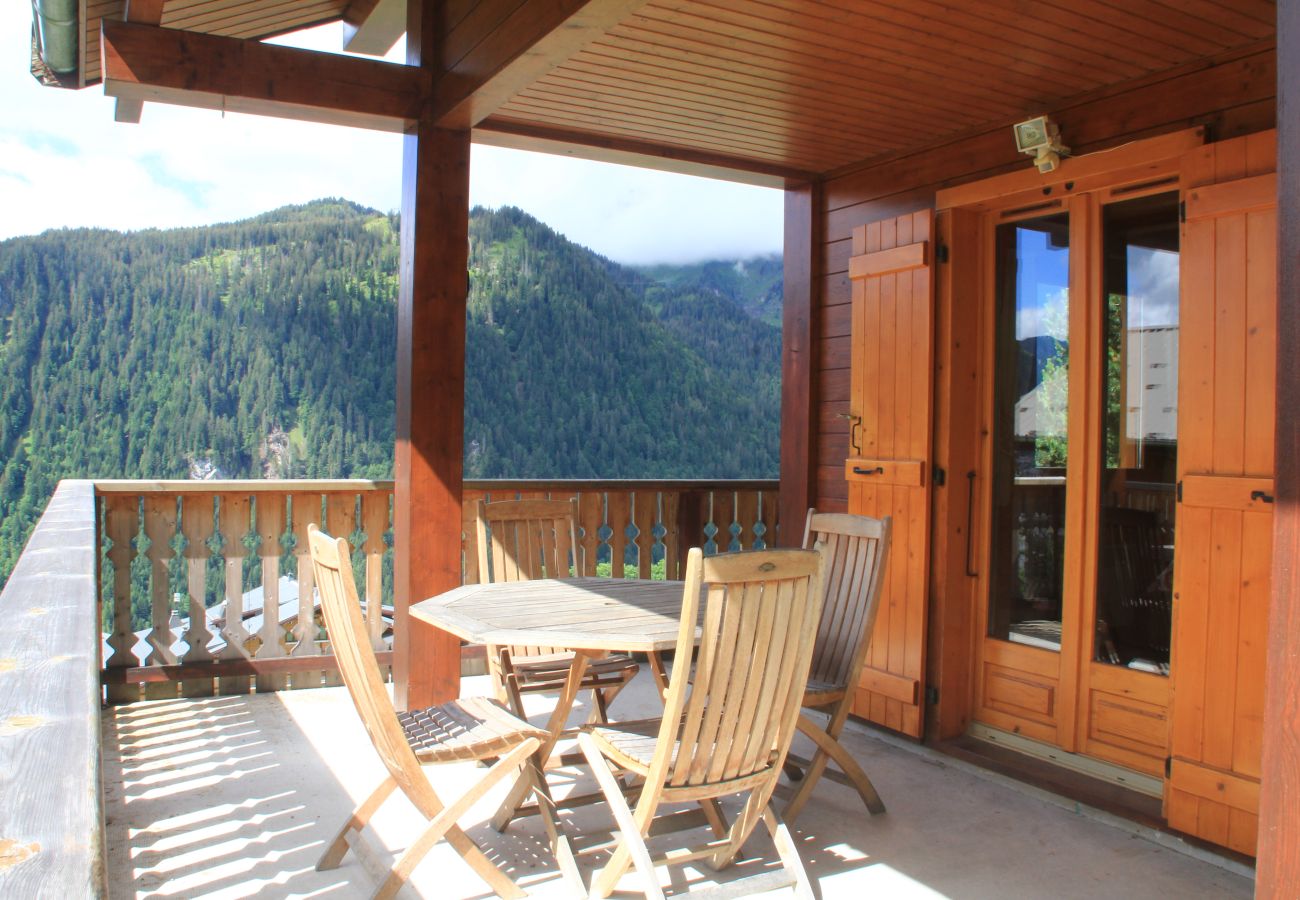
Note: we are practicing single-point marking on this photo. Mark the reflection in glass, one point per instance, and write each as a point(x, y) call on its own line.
point(1139, 463)
point(1031, 369)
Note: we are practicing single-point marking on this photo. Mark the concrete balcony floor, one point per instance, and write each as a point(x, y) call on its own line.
point(237, 797)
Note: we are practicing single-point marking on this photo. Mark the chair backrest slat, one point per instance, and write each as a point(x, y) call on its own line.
point(734, 714)
point(332, 567)
point(856, 549)
point(529, 539)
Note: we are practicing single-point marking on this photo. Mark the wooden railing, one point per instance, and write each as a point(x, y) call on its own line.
point(52, 814)
point(187, 554)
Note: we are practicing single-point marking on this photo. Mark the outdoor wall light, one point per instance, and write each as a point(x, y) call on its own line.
point(1040, 138)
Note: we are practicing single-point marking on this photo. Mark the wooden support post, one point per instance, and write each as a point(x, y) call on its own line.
point(1278, 869)
point(430, 387)
point(798, 346)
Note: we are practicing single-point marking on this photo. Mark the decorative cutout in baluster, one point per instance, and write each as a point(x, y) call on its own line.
point(160, 529)
point(306, 511)
point(235, 516)
point(197, 525)
point(746, 517)
point(645, 509)
point(374, 519)
point(768, 509)
point(618, 513)
point(670, 534)
point(724, 517)
point(591, 513)
point(122, 524)
point(270, 530)
point(341, 521)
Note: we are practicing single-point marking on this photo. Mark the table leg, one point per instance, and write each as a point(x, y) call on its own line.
point(555, 727)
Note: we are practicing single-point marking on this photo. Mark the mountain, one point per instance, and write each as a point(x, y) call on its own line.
point(755, 284)
point(264, 348)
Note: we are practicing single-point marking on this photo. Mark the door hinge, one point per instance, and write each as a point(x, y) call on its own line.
point(940, 476)
point(1169, 767)
point(1179, 492)
point(932, 696)
point(1182, 210)
point(941, 253)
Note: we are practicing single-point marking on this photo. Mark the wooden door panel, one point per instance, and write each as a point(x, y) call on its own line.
point(1223, 560)
point(889, 449)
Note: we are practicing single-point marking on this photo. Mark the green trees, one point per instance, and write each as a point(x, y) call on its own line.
point(264, 348)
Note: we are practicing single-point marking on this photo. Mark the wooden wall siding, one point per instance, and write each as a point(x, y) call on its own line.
point(1226, 403)
point(1232, 98)
point(819, 86)
point(892, 341)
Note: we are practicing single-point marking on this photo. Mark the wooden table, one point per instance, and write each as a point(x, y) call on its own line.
point(590, 616)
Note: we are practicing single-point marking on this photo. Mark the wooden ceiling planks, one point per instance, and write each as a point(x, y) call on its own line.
point(807, 85)
point(821, 84)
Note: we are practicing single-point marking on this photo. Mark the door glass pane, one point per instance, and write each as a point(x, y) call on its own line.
point(1135, 561)
point(1030, 414)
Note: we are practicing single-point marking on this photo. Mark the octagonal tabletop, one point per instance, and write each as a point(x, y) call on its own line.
point(610, 614)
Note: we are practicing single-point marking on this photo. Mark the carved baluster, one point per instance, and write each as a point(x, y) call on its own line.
point(590, 513)
point(340, 521)
point(374, 519)
point(746, 516)
point(234, 518)
point(306, 511)
point(769, 507)
point(197, 526)
point(270, 528)
point(618, 515)
point(645, 510)
point(122, 524)
point(724, 514)
point(469, 536)
point(160, 529)
point(672, 534)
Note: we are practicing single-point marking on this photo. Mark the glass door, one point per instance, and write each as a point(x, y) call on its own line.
point(1082, 363)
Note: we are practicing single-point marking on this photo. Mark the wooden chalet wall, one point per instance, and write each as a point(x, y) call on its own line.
point(1233, 97)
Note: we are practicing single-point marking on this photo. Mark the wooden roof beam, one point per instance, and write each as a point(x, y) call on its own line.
point(531, 39)
point(373, 26)
point(142, 12)
point(642, 154)
point(185, 68)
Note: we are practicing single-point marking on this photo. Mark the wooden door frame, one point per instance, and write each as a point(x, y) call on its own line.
point(959, 598)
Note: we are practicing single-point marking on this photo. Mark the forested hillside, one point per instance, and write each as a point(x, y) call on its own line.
point(264, 348)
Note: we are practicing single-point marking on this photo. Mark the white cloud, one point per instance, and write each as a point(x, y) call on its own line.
point(65, 162)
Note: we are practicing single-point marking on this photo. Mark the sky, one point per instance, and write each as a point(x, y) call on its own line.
point(64, 162)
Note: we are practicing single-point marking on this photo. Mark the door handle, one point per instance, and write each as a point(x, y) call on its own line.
point(855, 422)
point(878, 470)
point(1261, 496)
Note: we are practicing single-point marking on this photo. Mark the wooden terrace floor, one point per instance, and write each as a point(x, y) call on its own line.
point(236, 797)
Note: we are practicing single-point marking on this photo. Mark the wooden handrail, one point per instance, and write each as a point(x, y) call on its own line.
point(52, 814)
point(345, 485)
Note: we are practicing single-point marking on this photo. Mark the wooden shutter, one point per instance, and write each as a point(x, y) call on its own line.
point(889, 450)
point(1225, 461)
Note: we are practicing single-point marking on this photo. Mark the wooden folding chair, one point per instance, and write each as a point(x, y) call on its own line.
point(727, 725)
point(533, 539)
point(856, 549)
point(471, 729)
